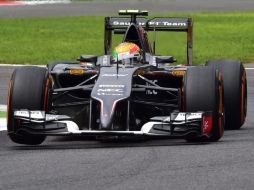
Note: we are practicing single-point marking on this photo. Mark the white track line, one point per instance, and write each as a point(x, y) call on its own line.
point(18, 65)
point(3, 126)
point(3, 107)
point(35, 2)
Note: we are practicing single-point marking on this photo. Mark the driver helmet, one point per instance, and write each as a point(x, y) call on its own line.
point(126, 53)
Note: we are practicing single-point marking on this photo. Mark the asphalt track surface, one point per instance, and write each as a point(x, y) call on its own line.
point(100, 7)
point(76, 163)
point(5, 75)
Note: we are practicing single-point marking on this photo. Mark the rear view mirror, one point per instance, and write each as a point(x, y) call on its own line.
point(88, 58)
point(165, 59)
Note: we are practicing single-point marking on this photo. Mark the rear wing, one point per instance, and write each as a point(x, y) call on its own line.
point(120, 24)
point(160, 24)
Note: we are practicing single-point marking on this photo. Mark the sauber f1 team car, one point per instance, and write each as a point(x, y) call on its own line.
point(128, 91)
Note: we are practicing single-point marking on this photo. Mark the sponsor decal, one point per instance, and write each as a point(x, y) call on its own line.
point(207, 125)
point(111, 85)
point(182, 116)
point(178, 73)
point(151, 92)
point(50, 117)
point(162, 23)
point(76, 71)
point(30, 114)
point(110, 90)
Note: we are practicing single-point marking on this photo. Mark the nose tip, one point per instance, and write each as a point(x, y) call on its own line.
point(106, 123)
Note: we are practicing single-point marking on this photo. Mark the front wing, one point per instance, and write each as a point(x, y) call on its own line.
point(177, 125)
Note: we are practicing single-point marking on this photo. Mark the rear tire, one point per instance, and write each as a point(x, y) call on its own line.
point(28, 89)
point(203, 91)
point(235, 91)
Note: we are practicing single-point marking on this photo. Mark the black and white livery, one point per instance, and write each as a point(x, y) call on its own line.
point(95, 96)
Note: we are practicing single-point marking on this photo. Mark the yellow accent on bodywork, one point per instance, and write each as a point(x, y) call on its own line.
point(178, 73)
point(76, 71)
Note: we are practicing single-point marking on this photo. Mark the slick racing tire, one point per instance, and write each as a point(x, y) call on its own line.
point(28, 89)
point(235, 91)
point(203, 91)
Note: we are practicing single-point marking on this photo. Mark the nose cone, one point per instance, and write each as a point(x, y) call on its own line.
point(111, 87)
point(107, 113)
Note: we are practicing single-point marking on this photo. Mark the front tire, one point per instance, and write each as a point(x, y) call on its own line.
point(203, 91)
point(235, 91)
point(28, 89)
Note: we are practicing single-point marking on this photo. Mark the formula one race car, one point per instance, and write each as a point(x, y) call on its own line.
point(129, 91)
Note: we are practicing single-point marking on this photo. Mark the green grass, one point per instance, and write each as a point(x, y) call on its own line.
point(42, 40)
point(2, 114)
